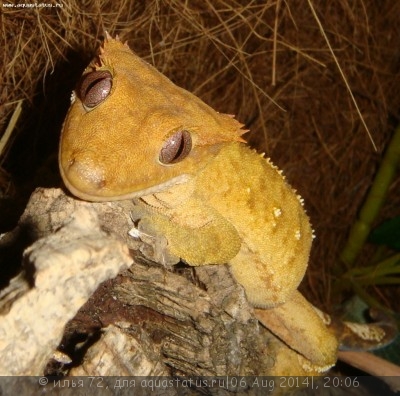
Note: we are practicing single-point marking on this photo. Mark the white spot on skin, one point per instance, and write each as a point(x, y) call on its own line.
point(297, 235)
point(301, 200)
point(272, 165)
point(277, 212)
point(73, 97)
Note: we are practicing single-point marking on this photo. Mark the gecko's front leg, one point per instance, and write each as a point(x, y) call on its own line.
point(193, 232)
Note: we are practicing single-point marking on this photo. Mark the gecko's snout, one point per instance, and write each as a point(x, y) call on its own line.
point(83, 178)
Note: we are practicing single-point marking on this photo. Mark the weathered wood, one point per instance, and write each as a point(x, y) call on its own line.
point(62, 270)
point(150, 320)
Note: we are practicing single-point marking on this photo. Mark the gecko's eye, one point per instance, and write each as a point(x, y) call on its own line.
point(94, 88)
point(176, 147)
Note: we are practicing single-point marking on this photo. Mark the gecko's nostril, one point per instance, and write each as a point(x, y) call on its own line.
point(85, 176)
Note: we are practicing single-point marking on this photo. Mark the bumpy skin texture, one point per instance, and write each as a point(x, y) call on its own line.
point(220, 203)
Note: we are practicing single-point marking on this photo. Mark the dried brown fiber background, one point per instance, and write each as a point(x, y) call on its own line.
point(265, 61)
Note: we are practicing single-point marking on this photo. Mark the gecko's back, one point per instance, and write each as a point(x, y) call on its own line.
point(251, 193)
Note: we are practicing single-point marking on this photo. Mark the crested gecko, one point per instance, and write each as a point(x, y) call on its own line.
point(131, 133)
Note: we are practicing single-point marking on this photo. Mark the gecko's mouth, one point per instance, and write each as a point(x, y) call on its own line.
point(91, 185)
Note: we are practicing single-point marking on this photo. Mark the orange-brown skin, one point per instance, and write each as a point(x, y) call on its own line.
point(217, 201)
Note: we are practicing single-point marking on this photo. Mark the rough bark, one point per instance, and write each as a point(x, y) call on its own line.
point(149, 320)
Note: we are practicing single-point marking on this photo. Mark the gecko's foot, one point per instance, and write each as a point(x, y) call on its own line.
point(155, 246)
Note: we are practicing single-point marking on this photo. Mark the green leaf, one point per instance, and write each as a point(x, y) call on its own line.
point(388, 233)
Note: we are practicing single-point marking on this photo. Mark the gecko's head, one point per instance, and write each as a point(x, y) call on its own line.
point(130, 131)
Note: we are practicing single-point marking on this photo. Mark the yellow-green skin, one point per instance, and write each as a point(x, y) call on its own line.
point(223, 203)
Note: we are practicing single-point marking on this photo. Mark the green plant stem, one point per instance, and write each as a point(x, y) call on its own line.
point(384, 280)
point(375, 199)
point(388, 266)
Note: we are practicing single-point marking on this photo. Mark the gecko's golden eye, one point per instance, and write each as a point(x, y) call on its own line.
point(94, 88)
point(176, 147)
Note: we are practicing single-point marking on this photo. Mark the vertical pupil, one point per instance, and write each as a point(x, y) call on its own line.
point(92, 85)
point(181, 143)
point(176, 148)
point(94, 88)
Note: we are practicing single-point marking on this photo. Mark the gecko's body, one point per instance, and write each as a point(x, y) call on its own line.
point(132, 134)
